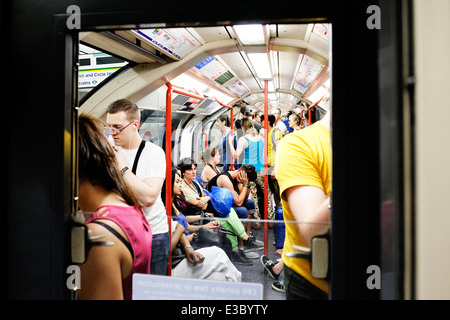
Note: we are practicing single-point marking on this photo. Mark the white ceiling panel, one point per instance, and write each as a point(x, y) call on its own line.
point(240, 69)
point(210, 34)
point(287, 68)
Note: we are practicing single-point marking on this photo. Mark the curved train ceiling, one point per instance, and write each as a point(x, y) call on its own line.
point(230, 63)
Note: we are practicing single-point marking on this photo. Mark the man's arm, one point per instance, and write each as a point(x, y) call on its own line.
point(309, 206)
point(147, 190)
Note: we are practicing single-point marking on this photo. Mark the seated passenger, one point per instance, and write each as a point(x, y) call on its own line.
point(178, 216)
point(108, 271)
point(231, 223)
point(193, 201)
point(212, 158)
point(210, 263)
point(238, 182)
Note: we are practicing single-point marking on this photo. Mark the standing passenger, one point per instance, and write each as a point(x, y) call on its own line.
point(107, 273)
point(223, 123)
point(252, 143)
point(273, 139)
point(303, 170)
point(147, 179)
point(294, 121)
point(278, 122)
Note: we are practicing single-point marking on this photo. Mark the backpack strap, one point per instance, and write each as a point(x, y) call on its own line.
point(272, 137)
point(138, 154)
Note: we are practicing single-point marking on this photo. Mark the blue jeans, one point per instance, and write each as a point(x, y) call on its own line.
point(160, 254)
point(248, 207)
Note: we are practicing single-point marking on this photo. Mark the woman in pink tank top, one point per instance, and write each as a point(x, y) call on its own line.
point(111, 210)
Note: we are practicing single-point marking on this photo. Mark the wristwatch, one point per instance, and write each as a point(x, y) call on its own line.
point(245, 185)
point(124, 169)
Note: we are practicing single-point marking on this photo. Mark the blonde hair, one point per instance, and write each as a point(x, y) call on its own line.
point(296, 118)
point(247, 125)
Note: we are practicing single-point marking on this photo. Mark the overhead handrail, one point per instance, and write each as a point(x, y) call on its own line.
point(312, 106)
point(185, 93)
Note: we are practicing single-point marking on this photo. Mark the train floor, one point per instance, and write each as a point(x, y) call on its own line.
point(256, 272)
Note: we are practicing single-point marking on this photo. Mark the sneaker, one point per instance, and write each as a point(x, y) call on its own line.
point(278, 286)
point(268, 266)
point(239, 257)
point(258, 242)
point(251, 245)
point(251, 255)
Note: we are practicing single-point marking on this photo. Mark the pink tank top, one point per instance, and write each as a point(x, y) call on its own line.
point(134, 224)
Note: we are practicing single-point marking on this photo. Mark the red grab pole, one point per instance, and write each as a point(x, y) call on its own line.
point(169, 168)
point(206, 139)
point(266, 163)
point(309, 110)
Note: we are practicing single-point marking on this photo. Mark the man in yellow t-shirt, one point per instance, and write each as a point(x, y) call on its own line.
point(274, 137)
point(303, 170)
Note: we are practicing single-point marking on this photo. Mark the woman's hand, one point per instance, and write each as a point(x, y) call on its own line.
point(194, 257)
point(203, 202)
point(213, 225)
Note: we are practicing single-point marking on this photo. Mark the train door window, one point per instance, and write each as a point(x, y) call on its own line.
point(232, 73)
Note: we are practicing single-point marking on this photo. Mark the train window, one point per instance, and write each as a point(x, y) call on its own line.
point(108, 60)
point(85, 62)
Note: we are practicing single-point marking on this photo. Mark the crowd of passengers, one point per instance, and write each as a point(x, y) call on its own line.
point(122, 191)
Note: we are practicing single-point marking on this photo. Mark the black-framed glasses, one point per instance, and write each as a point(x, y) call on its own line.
point(109, 129)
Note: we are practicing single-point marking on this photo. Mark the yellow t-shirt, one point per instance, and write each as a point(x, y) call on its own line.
point(303, 158)
point(270, 152)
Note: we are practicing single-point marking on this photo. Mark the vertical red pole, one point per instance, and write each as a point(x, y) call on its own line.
point(266, 163)
point(206, 139)
point(309, 116)
point(232, 134)
point(169, 168)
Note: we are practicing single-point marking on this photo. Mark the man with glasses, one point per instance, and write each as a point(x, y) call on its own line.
point(145, 176)
point(278, 123)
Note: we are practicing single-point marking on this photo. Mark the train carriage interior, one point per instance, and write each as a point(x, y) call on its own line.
point(214, 69)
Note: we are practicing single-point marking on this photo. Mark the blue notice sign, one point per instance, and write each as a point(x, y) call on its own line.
point(152, 287)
